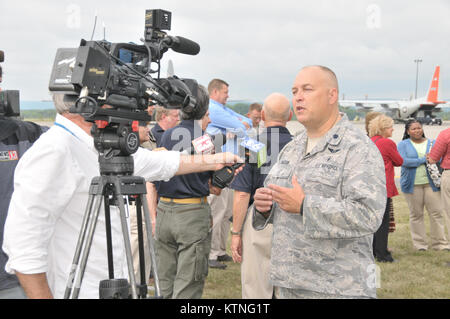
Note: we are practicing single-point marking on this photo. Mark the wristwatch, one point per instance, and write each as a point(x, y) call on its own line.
point(236, 233)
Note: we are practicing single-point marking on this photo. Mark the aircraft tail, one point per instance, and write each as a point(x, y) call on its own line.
point(433, 92)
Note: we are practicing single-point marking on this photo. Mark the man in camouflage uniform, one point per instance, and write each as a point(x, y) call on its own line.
point(326, 197)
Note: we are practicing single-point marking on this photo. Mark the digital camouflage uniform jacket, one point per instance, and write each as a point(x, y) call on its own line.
point(328, 249)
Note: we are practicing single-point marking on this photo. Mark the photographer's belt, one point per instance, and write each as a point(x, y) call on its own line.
point(191, 200)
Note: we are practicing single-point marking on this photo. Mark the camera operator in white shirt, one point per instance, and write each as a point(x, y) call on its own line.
point(50, 194)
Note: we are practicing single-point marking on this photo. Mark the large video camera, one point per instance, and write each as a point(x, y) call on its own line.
point(9, 99)
point(119, 75)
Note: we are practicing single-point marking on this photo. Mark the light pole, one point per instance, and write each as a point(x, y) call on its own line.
point(417, 61)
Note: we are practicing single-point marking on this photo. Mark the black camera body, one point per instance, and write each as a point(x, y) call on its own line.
point(9, 99)
point(10, 103)
point(119, 74)
point(110, 85)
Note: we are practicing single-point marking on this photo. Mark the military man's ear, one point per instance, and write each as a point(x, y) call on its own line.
point(333, 96)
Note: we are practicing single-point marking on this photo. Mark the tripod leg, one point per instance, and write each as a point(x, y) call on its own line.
point(148, 227)
point(126, 239)
point(141, 248)
point(78, 248)
point(108, 236)
point(87, 246)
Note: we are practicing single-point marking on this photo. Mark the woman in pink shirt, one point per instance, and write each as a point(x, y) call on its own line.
point(441, 150)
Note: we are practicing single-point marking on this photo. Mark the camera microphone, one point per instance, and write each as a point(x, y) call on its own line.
point(182, 45)
point(2, 56)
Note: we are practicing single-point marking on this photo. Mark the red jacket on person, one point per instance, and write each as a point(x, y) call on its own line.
point(441, 149)
point(391, 158)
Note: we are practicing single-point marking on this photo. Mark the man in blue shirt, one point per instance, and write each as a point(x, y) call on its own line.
point(249, 247)
point(223, 119)
point(227, 122)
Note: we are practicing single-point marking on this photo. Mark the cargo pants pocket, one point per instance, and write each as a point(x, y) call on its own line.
point(201, 258)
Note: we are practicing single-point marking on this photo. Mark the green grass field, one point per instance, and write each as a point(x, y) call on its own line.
point(415, 275)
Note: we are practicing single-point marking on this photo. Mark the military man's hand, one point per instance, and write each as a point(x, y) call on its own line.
point(263, 199)
point(289, 199)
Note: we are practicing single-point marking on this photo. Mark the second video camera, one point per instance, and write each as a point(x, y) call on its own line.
point(9, 99)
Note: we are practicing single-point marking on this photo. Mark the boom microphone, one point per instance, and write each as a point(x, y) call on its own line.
point(182, 45)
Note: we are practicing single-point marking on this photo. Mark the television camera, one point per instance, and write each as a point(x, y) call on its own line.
point(111, 85)
point(9, 99)
point(118, 75)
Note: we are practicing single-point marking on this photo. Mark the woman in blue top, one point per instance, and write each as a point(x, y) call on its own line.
point(419, 189)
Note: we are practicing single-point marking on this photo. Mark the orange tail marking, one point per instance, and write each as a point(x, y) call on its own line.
point(433, 91)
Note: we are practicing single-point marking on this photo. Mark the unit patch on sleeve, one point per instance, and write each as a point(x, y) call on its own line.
point(6, 156)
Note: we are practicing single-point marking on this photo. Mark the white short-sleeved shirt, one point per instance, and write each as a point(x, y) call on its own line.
point(49, 201)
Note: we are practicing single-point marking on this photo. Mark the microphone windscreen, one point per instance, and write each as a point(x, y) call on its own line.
point(185, 46)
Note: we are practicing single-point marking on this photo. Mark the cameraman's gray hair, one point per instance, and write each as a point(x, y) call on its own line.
point(62, 106)
point(200, 108)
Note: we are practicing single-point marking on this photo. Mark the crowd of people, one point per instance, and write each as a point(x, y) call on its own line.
point(309, 223)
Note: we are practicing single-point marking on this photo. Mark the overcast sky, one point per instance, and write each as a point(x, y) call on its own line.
point(257, 46)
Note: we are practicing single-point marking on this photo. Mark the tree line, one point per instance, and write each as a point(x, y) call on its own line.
point(241, 108)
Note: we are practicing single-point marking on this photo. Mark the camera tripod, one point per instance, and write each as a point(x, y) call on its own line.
point(111, 186)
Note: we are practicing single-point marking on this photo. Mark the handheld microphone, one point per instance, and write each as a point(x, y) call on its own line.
point(223, 177)
point(182, 45)
point(206, 144)
point(203, 145)
point(255, 152)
